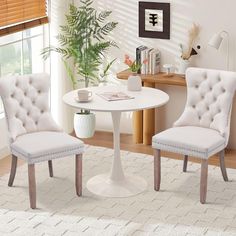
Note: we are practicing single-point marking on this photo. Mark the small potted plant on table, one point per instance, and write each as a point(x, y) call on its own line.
point(134, 80)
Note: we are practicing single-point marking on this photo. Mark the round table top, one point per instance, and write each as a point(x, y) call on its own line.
point(145, 99)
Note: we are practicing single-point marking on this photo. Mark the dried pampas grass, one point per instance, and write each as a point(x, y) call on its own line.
point(192, 34)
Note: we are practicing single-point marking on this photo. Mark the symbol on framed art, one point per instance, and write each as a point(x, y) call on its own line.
point(154, 20)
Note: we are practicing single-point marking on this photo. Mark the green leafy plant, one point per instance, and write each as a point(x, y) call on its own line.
point(84, 40)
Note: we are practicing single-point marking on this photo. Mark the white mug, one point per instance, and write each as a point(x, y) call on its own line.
point(84, 95)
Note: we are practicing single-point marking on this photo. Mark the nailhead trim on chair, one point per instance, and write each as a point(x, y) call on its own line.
point(185, 151)
point(49, 156)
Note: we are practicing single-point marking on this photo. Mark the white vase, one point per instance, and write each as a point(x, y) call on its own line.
point(183, 66)
point(134, 83)
point(84, 125)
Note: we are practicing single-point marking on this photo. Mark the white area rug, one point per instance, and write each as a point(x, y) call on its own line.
point(175, 210)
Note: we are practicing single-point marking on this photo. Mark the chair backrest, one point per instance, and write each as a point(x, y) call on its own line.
point(26, 104)
point(209, 99)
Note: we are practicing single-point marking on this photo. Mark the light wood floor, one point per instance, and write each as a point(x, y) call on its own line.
point(104, 139)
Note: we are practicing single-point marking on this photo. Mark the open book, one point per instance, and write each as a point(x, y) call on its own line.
point(114, 96)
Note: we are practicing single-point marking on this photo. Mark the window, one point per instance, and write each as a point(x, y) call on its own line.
point(20, 52)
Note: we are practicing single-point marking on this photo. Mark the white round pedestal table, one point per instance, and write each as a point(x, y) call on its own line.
point(116, 183)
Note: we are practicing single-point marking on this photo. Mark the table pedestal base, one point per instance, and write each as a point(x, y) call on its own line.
point(102, 185)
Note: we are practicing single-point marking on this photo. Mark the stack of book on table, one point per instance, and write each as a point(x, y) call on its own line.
point(152, 55)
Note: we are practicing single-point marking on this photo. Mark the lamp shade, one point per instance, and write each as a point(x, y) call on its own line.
point(215, 41)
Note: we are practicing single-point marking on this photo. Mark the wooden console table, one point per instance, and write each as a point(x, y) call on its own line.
point(145, 123)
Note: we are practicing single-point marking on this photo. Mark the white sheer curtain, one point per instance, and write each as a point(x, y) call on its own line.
point(60, 83)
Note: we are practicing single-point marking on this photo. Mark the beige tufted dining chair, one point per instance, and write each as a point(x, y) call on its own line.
point(33, 134)
point(203, 128)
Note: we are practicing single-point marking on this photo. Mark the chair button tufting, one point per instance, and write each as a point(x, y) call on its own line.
point(28, 113)
point(23, 124)
point(36, 122)
point(212, 119)
point(196, 86)
point(193, 106)
point(210, 88)
point(202, 96)
point(39, 91)
point(208, 108)
point(12, 95)
point(42, 111)
point(199, 117)
point(25, 93)
point(33, 101)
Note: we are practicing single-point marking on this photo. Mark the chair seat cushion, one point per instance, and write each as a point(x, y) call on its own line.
point(190, 140)
point(45, 145)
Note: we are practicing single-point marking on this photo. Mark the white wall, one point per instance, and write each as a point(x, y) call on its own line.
point(211, 15)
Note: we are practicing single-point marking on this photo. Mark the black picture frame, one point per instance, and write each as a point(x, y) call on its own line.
point(164, 33)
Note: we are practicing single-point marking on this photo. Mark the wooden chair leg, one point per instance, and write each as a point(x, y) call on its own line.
point(13, 170)
point(32, 186)
point(50, 168)
point(157, 169)
point(222, 165)
point(185, 163)
point(203, 182)
point(78, 174)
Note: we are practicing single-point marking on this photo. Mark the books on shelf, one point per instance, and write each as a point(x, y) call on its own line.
point(114, 96)
point(138, 55)
point(152, 55)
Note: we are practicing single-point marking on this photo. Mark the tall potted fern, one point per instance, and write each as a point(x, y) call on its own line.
point(83, 40)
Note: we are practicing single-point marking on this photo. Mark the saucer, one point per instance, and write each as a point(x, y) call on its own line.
point(83, 101)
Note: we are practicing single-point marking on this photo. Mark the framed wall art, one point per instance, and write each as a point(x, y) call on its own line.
point(154, 20)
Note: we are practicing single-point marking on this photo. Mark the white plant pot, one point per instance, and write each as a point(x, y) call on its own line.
point(84, 125)
point(134, 83)
point(183, 66)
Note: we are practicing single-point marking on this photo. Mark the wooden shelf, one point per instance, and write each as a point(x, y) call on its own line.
point(159, 78)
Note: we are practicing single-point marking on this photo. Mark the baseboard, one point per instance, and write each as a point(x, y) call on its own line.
point(4, 152)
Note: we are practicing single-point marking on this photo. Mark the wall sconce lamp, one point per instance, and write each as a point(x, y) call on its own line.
point(216, 41)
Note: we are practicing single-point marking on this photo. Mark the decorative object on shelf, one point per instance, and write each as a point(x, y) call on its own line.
point(154, 20)
point(186, 54)
point(134, 81)
point(192, 36)
point(182, 66)
point(168, 68)
point(216, 41)
point(83, 40)
point(134, 65)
